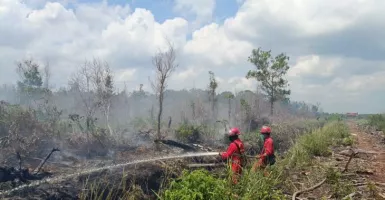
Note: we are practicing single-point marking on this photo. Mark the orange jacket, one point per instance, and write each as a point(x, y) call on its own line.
point(233, 152)
point(268, 148)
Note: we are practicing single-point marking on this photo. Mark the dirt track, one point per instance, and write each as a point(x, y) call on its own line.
point(371, 143)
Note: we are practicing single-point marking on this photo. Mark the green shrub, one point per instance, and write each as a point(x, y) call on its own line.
point(284, 133)
point(196, 185)
point(188, 133)
point(335, 117)
point(317, 143)
point(377, 121)
point(348, 141)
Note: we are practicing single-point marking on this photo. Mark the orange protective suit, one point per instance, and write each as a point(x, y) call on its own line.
point(235, 149)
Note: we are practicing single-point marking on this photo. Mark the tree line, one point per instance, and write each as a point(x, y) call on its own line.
point(93, 84)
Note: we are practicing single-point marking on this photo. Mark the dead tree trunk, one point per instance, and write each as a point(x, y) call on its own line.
point(159, 115)
point(164, 63)
point(169, 122)
point(229, 111)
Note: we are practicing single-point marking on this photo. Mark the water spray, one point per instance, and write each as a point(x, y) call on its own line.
point(77, 174)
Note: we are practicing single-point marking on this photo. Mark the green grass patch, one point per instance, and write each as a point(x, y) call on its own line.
point(317, 143)
point(377, 121)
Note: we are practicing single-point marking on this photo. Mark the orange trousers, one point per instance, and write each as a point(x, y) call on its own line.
point(260, 165)
point(236, 170)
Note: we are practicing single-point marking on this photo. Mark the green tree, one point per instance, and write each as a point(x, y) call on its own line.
point(270, 72)
point(30, 84)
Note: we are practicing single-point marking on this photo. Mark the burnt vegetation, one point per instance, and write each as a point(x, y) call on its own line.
point(94, 124)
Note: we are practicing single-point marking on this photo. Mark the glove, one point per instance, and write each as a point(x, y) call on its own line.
point(219, 158)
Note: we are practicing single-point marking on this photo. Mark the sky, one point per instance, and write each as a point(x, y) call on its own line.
point(336, 48)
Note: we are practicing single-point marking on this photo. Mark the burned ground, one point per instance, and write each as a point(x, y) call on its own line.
point(144, 178)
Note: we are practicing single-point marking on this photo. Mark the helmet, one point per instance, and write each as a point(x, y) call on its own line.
point(234, 131)
point(265, 130)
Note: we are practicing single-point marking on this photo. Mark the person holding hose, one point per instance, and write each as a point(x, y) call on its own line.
point(266, 156)
point(234, 153)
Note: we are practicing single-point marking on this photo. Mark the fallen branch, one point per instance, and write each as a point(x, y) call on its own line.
point(162, 163)
point(363, 184)
point(18, 156)
point(203, 148)
point(349, 196)
point(344, 175)
point(357, 151)
point(350, 159)
point(177, 144)
point(308, 189)
point(45, 160)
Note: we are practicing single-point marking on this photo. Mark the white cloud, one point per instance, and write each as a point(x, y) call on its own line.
point(125, 75)
point(212, 43)
point(66, 37)
point(313, 65)
point(242, 83)
point(302, 16)
point(336, 83)
point(99, 15)
point(202, 9)
point(186, 74)
point(308, 31)
point(361, 84)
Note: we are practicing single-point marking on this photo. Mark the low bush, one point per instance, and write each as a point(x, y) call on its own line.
point(377, 121)
point(197, 185)
point(20, 130)
point(188, 133)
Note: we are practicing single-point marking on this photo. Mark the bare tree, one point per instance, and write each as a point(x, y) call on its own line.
point(165, 64)
point(102, 79)
point(81, 84)
point(47, 75)
point(229, 96)
point(94, 85)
